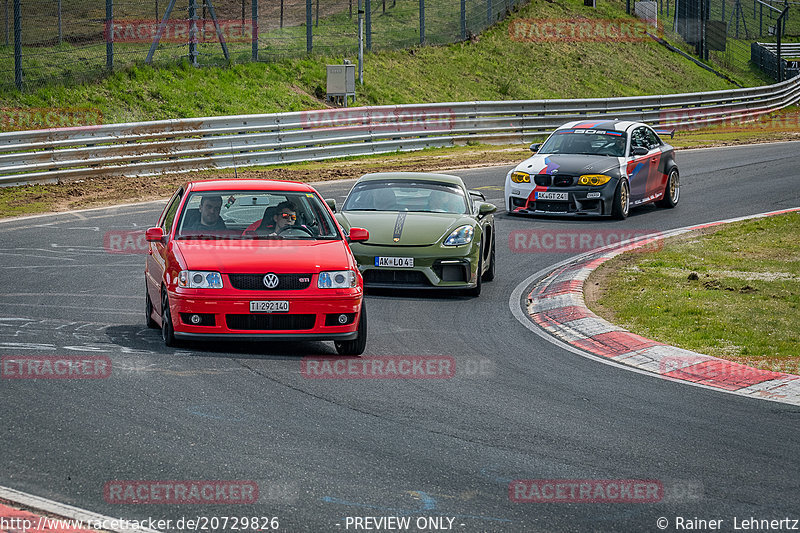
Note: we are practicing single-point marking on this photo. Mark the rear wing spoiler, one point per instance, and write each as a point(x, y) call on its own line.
point(664, 131)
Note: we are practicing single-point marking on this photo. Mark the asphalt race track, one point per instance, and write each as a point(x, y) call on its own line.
point(322, 450)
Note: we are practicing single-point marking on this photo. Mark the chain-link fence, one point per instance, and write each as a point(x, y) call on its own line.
point(74, 40)
point(722, 31)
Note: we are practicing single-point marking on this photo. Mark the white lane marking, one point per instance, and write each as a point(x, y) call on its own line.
point(80, 294)
point(77, 212)
point(81, 307)
point(66, 511)
point(120, 265)
point(515, 304)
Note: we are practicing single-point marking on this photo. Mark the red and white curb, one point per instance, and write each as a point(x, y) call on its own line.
point(21, 512)
point(556, 304)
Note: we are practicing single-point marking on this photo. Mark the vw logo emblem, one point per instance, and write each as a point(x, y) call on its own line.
point(270, 281)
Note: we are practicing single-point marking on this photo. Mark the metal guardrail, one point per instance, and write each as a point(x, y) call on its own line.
point(788, 50)
point(151, 148)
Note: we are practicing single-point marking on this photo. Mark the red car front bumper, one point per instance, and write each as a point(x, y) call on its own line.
point(332, 316)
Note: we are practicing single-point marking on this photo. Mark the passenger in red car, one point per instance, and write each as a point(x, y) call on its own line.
point(209, 218)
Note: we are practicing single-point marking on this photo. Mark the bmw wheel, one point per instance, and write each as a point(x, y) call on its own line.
point(359, 344)
point(672, 191)
point(622, 200)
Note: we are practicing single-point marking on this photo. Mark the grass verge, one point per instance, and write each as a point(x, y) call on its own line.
point(731, 292)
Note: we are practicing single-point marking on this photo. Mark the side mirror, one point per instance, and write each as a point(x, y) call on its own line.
point(358, 234)
point(639, 150)
point(486, 209)
point(331, 203)
point(154, 235)
point(535, 147)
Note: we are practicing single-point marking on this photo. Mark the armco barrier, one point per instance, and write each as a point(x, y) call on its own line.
point(147, 148)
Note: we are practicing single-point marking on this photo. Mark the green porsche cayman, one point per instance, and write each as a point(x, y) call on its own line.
point(425, 231)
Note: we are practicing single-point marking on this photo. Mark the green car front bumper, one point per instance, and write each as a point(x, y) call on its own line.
point(435, 266)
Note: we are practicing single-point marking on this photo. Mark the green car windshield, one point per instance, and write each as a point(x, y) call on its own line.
point(405, 195)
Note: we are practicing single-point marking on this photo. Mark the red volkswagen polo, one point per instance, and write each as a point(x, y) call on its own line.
point(254, 259)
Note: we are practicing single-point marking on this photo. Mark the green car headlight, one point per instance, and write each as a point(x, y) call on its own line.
point(520, 177)
point(462, 235)
point(593, 179)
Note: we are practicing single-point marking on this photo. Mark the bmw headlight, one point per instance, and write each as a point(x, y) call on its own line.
point(520, 177)
point(593, 179)
point(199, 279)
point(337, 279)
point(462, 235)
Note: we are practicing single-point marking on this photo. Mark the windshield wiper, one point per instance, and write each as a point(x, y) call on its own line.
point(204, 236)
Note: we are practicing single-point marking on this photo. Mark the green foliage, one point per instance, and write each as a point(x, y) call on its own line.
point(490, 67)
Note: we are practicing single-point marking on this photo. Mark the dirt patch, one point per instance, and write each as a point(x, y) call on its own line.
point(112, 190)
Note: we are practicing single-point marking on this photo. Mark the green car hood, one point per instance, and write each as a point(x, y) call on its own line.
point(419, 229)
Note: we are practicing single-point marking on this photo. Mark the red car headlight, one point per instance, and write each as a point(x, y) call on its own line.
point(198, 279)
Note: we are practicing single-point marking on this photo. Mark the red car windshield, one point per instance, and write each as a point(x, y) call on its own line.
point(255, 215)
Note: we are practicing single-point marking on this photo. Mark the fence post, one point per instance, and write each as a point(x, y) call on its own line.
point(254, 22)
point(192, 33)
point(463, 20)
point(489, 12)
point(18, 45)
point(110, 33)
point(368, 23)
point(6, 13)
point(421, 21)
point(309, 36)
point(60, 33)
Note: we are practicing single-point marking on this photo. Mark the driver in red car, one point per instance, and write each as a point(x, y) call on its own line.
point(275, 219)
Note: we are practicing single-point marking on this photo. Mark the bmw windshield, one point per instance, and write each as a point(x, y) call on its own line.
point(585, 142)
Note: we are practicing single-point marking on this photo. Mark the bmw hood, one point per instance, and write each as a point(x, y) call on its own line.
point(263, 255)
point(408, 227)
point(570, 164)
